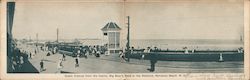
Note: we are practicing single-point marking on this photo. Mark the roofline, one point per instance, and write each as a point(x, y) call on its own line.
point(106, 27)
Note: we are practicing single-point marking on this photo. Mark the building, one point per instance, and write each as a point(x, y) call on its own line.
point(111, 33)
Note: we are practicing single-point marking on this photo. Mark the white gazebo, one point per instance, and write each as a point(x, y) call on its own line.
point(112, 33)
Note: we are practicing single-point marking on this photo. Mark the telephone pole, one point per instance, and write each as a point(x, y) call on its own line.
point(128, 40)
point(36, 39)
point(57, 33)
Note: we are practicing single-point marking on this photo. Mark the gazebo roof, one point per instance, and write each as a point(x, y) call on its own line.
point(111, 26)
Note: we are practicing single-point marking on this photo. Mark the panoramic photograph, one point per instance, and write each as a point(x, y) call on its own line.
point(61, 36)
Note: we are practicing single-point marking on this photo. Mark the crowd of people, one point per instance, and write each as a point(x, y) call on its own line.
point(19, 58)
point(77, 53)
point(22, 55)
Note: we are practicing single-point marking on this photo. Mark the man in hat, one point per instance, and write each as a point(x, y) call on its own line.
point(153, 61)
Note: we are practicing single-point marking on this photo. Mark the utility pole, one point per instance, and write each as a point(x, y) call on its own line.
point(241, 38)
point(128, 43)
point(57, 33)
point(36, 39)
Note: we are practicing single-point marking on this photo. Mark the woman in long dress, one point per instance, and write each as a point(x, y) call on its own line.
point(122, 56)
point(77, 61)
point(59, 66)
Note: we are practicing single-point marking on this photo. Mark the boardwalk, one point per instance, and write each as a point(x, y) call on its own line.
point(112, 64)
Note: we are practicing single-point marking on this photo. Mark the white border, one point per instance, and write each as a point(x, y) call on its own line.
point(4, 75)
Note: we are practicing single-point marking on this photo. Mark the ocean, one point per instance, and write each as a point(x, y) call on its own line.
point(176, 44)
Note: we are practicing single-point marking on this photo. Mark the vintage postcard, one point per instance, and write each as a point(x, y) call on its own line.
point(125, 39)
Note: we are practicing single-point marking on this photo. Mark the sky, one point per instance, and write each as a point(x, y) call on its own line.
point(196, 19)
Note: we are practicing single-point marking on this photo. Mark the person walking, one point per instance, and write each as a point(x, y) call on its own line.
point(78, 52)
point(97, 54)
point(41, 66)
point(122, 56)
point(76, 62)
point(64, 57)
point(132, 50)
point(85, 54)
point(48, 54)
point(54, 50)
point(153, 61)
point(35, 51)
point(142, 56)
point(21, 59)
point(30, 55)
point(148, 50)
point(59, 66)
